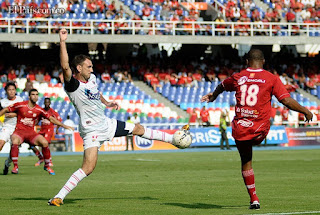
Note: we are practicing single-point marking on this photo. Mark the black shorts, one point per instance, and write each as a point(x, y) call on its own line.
point(123, 129)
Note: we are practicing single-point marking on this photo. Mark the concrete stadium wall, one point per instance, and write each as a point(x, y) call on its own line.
point(130, 39)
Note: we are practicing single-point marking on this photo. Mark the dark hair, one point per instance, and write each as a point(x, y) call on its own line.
point(10, 84)
point(255, 54)
point(32, 90)
point(78, 60)
point(68, 117)
point(47, 98)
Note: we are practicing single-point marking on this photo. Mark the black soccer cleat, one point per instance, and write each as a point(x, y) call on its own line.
point(6, 167)
point(255, 205)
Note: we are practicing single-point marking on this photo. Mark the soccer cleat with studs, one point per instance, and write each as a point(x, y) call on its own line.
point(15, 170)
point(186, 127)
point(49, 170)
point(39, 162)
point(55, 202)
point(255, 205)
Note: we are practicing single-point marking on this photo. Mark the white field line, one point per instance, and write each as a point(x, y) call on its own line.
point(289, 213)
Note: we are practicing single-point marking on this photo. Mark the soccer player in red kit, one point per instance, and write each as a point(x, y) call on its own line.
point(47, 129)
point(254, 88)
point(204, 113)
point(28, 113)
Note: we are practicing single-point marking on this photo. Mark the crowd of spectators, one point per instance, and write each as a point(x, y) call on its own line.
point(179, 69)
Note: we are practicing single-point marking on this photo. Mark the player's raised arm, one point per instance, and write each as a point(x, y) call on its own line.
point(294, 105)
point(58, 123)
point(210, 97)
point(64, 58)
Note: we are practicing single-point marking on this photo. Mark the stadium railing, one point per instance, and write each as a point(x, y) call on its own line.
point(142, 27)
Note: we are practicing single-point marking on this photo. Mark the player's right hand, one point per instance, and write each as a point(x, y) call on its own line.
point(207, 98)
point(308, 116)
point(63, 33)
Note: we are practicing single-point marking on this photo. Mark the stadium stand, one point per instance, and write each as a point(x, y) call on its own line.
point(242, 18)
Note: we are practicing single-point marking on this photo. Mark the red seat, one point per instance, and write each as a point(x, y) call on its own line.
point(189, 110)
point(119, 97)
point(137, 110)
point(158, 115)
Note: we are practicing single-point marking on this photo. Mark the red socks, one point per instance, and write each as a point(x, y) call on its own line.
point(47, 156)
point(248, 177)
point(14, 154)
point(38, 154)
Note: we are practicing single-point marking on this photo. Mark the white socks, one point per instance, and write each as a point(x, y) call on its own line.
point(157, 135)
point(73, 181)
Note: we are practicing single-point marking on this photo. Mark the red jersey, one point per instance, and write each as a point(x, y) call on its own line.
point(27, 117)
point(45, 123)
point(193, 118)
point(204, 115)
point(254, 89)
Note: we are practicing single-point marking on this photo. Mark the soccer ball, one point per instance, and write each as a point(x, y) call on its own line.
point(182, 139)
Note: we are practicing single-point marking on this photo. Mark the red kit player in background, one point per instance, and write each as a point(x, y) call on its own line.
point(28, 113)
point(47, 129)
point(254, 88)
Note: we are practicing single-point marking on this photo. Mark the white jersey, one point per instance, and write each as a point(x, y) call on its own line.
point(10, 122)
point(86, 99)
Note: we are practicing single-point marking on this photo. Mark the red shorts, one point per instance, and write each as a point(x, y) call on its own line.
point(26, 136)
point(47, 133)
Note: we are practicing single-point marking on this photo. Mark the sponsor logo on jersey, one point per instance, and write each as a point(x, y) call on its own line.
point(242, 80)
point(92, 96)
point(257, 81)
point(247, 113)
point(29, 111)
point(45, 122)
point(245, 123)
point(27, 121)
point(143, 143)
point(34, 115)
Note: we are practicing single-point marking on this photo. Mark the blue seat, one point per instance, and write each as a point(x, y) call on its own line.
point(190, 105)
point(154, 101)
point(183, 106)
point(150, 120)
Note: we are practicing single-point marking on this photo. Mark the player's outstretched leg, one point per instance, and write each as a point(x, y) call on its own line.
point(89, 162)
point(245, 151)
point(151, 134)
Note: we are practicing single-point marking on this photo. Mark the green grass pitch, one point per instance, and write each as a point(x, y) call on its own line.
point(167, 183)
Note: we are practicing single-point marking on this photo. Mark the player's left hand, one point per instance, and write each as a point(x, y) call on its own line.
point(207, 98)
point(114, 105)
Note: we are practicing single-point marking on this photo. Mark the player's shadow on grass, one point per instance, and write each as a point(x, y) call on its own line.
point(71, 201)
point(202, 206)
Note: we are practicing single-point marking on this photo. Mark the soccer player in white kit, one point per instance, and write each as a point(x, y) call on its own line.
point(95, 127)
point(10, 122)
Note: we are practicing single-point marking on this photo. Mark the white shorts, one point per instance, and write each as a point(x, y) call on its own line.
point(6, 133)
point(96, 139)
